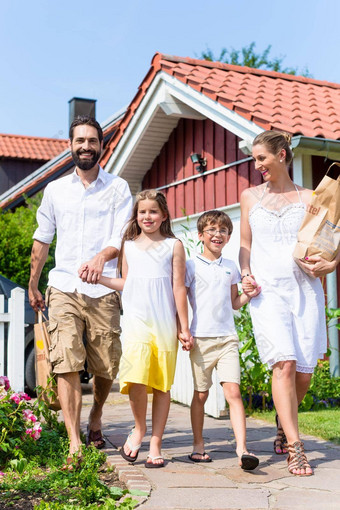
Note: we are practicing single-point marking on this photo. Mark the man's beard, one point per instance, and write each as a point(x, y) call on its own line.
point(85, 164)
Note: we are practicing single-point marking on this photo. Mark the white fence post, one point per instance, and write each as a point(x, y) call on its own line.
point(183, 388)
point(16, 340)
point(2, 335)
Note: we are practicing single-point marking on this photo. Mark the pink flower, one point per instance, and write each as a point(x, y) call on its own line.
point(28, 432)
point(15, 397)
point(24, 396)
point(36, 434)
point(29, 416)
point(2, 474)
point(4, 381)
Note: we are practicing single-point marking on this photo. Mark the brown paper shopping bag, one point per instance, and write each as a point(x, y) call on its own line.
point(43, 367)
point(319, 233)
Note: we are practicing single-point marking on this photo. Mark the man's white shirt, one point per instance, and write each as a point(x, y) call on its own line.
point(87, 220)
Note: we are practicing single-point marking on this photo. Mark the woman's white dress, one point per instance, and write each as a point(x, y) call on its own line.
point(149, 332)
point(289, 314)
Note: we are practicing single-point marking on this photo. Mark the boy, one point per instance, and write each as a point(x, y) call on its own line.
point(212, 289)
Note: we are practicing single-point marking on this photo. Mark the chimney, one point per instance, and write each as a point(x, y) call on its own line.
point(81, 106)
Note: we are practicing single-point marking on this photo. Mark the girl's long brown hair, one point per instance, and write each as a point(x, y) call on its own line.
point(133, 230)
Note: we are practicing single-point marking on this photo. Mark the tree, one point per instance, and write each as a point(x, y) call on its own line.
point(248, 57)
point(17, 228)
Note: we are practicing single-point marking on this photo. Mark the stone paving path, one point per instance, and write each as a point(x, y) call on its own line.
point(221, 484)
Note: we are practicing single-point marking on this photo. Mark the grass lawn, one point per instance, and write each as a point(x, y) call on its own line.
point(324, 423)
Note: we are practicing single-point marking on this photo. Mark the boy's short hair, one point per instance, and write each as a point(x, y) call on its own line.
point(214, 216)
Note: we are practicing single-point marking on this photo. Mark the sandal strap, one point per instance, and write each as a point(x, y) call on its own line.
point(130, 445)
point(280, 441)
point(155, 458)
point(296, 457)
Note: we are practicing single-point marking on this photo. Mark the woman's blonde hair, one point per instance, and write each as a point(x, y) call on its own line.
point(275, 141)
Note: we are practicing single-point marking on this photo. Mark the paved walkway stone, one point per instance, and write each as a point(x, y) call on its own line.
point(221, 484)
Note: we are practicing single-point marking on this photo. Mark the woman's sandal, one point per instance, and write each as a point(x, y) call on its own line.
point(297, 459)
point(280, 442)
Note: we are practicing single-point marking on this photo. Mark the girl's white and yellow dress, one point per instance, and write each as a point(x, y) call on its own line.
point(149, 333)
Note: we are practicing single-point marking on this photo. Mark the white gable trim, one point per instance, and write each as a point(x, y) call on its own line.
point(156, 96)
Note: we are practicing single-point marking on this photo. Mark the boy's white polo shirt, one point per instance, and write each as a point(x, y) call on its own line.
point(209, 291)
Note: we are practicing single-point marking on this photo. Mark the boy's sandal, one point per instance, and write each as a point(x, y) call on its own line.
point(130, 458)
point(280, 442)
point(152, 464)
point(297, 459)
point(203, 457)
point(249, 461)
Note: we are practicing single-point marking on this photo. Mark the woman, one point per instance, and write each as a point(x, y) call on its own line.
point(289, 314)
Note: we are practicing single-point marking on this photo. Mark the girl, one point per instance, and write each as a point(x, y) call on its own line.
point(289, 314)
point(153, 275)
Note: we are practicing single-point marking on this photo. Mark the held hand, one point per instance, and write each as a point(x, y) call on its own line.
point(248, 285)
point(186, 340)
point(316, 266)
point(91, 271)
point(36, 299)
point(255, 292)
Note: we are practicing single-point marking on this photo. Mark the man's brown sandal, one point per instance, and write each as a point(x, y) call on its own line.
point(297, 459)
point(95, 437)
point(280, 442)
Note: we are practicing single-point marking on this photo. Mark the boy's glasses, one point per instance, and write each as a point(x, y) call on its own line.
point(213, 231)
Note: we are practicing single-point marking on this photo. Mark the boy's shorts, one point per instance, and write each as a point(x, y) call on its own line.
point(215, 352)
point(72, 316)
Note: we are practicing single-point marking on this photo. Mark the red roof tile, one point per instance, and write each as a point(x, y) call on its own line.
point(31, 147)
point(271, 100)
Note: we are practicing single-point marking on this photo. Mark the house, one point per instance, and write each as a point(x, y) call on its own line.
point(22, 155)
point(60, 165)
point(187, 106)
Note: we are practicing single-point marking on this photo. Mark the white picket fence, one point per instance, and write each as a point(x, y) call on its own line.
point(183, 388)
point(14, 342)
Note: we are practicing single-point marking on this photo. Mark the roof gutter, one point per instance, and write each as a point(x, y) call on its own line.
point(317, 146)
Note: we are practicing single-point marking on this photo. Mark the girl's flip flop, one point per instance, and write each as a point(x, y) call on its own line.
point(130, 458)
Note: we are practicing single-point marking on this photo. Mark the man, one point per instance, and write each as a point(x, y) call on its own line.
point(88, 209)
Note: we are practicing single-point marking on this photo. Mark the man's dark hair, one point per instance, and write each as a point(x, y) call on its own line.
point(90, 121)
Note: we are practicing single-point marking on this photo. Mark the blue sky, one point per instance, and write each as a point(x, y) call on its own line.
point(52, 51)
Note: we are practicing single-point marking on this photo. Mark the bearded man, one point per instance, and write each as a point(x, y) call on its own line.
point(88, 210)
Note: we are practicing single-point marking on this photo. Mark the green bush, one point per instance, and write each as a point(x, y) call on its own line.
point(17, 228)
point(324, 390)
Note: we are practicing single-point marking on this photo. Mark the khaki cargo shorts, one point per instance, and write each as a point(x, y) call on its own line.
point(215, 352)
point(72, 316)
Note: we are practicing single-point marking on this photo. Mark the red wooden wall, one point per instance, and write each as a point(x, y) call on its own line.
point(216, 144)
